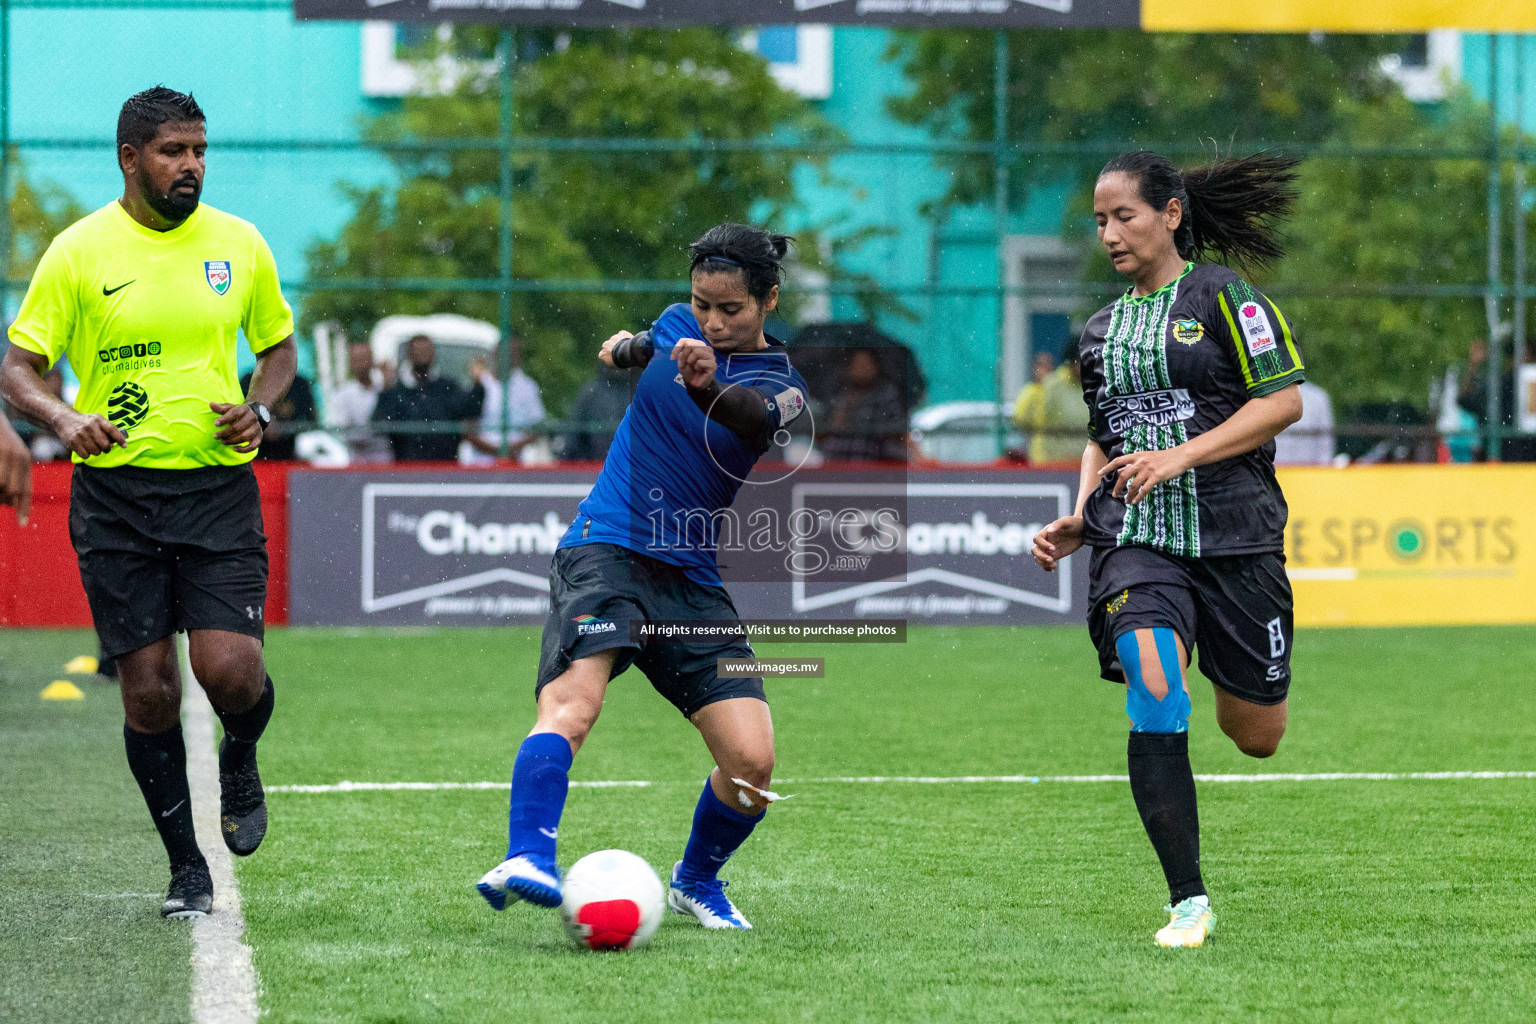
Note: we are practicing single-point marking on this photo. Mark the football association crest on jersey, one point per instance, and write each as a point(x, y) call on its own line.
point(1188, 331)
point(217, 272)
point(1257, 332)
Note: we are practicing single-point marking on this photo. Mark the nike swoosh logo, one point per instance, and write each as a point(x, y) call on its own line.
point(108, 291)
point(551, 832)
point(167, 814)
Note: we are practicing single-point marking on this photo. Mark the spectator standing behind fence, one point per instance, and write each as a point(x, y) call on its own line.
point(1051, 409)
point(525, 409)
point(867, 421)
point(1474, 399)
point(1308, 441)
point(349, 410)
point(292, 414)
point(1029, 394)
point(421, 396)
point(595, 416)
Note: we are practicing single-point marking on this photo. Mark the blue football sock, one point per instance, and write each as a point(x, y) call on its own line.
point(539, 783)
point(718, 830)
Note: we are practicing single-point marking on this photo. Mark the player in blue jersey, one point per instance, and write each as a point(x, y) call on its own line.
point(714, 391)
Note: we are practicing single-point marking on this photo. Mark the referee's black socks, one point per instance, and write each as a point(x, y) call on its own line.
point(242, 729)
point(159, 763)
point(1163, 786)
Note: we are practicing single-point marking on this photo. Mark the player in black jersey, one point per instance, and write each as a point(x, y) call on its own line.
point(1188, 377)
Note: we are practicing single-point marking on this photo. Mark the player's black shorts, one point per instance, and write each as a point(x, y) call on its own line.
point(597, 590)
point(165, 550)
point(1234, 610)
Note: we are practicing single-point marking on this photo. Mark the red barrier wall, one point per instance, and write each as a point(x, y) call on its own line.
point(41, 580)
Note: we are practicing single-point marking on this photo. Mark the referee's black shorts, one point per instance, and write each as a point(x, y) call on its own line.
point(1234, 610)
point(166, 550)
point(597, 590)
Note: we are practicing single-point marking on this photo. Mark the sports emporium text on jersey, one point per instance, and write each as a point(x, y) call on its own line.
point(1151, 408)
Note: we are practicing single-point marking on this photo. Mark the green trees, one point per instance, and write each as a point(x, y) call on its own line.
point(579, 215)
point(1116, 88)
point(1411, 222)
point(39, 210)
point(1364, 221)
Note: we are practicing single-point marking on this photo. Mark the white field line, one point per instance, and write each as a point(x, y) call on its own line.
point(374, 787)
point(223, 979)
point(363, 787)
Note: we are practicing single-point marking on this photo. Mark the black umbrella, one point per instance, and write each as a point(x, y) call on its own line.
point(821, 353)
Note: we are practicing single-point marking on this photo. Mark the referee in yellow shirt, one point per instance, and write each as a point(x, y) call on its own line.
point(146, 297)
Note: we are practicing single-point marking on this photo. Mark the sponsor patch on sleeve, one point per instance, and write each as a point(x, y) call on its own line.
point(791, 404)
point(1257, 333)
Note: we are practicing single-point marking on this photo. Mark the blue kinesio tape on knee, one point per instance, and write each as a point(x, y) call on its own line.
point(1148, 714)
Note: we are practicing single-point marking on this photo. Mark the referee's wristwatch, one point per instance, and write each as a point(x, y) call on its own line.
point(263, 415)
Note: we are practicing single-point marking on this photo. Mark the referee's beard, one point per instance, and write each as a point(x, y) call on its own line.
point(176, 204)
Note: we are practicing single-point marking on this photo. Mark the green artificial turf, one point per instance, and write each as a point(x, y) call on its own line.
point(82, 872)
point(1338, 901)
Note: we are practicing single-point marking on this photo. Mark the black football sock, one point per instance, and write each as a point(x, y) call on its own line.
point(243, 729)
point(1164, 789)
point(159, 763)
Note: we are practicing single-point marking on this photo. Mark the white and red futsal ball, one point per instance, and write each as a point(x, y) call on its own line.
point(613, 900)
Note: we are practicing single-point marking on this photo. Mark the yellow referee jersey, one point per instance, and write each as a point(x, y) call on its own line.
point(149, 321)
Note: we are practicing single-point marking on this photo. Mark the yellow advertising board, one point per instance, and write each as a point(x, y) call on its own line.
point(1333, 16)
point(1412, 545)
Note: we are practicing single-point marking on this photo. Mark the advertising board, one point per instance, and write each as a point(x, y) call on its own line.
point(424, 548)
point(1412, 545)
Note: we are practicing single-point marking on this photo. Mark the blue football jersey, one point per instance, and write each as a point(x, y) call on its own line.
point(671, 468)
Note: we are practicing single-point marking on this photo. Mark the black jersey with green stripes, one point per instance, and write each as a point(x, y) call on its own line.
point(1160, 369)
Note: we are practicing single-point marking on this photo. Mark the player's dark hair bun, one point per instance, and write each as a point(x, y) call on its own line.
point(757, 254)
point(1232, 208)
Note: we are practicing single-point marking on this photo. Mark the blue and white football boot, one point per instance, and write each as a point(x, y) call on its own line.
point(705, 901)
point(521, 878)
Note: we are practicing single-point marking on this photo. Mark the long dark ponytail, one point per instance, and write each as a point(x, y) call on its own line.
point(1232, 209)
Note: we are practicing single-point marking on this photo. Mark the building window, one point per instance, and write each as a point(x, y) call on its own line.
point(1428, 66)
point(800, 56)
point(1037, 318)
point(389, 70)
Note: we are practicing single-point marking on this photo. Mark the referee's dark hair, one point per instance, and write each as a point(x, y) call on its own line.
point(758, 254)
point(144, 112)
point(1232, 208)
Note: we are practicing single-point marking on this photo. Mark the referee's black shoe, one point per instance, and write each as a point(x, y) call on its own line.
point(191, 893)
point(242, 805)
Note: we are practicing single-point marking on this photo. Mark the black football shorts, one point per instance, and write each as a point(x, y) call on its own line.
point(597, 590)
point(166, 550)
point(1234, 610)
